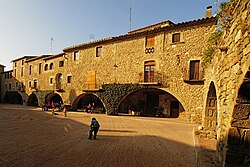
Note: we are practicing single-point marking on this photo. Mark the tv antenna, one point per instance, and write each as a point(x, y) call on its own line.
point(217, 5)
point(51, 45)
point(91, 37)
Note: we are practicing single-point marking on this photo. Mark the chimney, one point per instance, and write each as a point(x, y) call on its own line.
point(209, 12)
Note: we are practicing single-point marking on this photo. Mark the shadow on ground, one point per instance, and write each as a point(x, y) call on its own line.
point(35, 138)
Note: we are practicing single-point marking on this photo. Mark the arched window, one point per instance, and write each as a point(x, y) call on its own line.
point(51, 66)
point(59, 79)
point(46, 67)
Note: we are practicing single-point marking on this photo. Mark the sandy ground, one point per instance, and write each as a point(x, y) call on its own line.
point(31, 137)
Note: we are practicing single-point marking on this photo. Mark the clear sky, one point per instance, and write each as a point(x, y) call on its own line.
point(27, 26)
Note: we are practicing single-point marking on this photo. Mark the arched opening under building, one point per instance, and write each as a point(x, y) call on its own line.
point(32, 100)
point(238, 141)
point(150, 102)
point(82, 101)
point(56, 98)
point(13, 97)
point(210, 117)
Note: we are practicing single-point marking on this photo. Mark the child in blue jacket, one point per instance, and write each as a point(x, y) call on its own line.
point(94, 127)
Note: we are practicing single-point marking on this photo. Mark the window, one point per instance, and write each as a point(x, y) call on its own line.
point(35, 83)
point(16, 84)
point(30, 69)
point(99, 51)
point(6, 86)
point(29, 83)
point(22, 62)
point(51, 66)
point(149, 68)
point(21, 71)
point(150, 41)
point(69, 79)
point(194, 70)
point(60, 78)
point(40, 68)
point(51, 81)
point(76, 55)
point(46, 67)
point(91, 79)
point(176, 37)
point(61, 63)
point(15, 64)
point(9, 86)
point(15, 72)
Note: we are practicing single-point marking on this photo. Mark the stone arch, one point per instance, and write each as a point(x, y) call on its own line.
point(81, 102)
point(150, 102)
point(52, 96)
point(32, 100)
point(238, 141)
point(210, 120)
point(13, 97)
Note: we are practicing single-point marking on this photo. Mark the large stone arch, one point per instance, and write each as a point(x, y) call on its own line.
point(210, 116)
point(32, 100)
point(150, 102)
point(13, 97)
point(238, 143)
point(84, 99)
point(55, 97)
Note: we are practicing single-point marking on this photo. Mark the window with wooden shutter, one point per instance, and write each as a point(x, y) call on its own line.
point(149, 69)
point(150, 41)
point(176, 37)
point(98, 51)
point(194, 70)
point(91, 80)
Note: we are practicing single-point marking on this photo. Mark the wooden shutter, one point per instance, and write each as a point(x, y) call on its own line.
point(194, 69)
point(91, 80)
point(150, 41)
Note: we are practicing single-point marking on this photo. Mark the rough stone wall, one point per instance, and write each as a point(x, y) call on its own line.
point(129, 57)
point(227, 71)
point(123, 61)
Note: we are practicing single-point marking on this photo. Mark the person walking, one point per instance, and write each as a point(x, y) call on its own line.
point(92, 108)
point(53, 107)
point(64, 111)
point(94, 127)
point(88, 108)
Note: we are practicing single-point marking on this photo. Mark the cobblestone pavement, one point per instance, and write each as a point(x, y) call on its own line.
point(31, 137)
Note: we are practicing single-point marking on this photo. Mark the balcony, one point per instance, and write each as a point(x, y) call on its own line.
point(92, 87)
point(59, 87)
point(21, 88)
point(34, 88)
point(193, 78)
point(152, 78)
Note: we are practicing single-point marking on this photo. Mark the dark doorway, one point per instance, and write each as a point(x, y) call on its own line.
point(13, 97)
point(84, 100)
point(174, 108)
point(152, 103)
point(32, 100)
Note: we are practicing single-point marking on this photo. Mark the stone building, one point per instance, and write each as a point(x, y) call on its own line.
point(226, 112)
point(152, 70)
point(149, 71)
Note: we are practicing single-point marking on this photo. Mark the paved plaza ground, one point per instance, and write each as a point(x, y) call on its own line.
point(32, 137)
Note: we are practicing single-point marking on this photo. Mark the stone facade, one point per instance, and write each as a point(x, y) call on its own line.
point(228, 74)
point(85, 68)
point(154, 67)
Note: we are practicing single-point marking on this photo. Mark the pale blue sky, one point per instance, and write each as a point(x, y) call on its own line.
point(27, 26)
